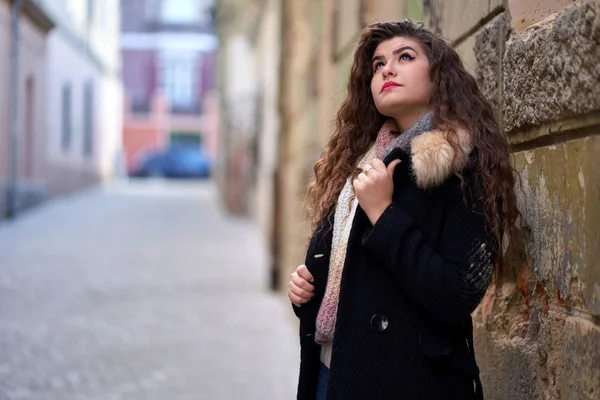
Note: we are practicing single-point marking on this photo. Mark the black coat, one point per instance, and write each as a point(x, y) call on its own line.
point(409, 284)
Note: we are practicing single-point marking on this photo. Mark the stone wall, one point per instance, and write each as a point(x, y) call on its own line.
point(537, 336)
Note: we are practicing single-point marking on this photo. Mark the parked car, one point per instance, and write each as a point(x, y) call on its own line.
point(175, 162)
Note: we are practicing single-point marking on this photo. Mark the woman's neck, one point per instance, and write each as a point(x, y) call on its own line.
point(407, 119)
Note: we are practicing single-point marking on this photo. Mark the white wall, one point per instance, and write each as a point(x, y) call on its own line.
point(68, 62)
point(67, 65)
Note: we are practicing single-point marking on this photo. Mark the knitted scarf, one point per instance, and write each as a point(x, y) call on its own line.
point(387, 140)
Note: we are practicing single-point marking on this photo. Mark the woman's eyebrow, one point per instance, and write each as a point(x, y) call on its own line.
point(397, 51)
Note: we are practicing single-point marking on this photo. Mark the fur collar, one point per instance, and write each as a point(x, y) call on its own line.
point(433, 157)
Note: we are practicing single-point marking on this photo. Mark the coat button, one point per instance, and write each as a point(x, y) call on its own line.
point(379, 322)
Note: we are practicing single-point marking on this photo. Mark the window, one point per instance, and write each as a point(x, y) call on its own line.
point(66, 117)
point(88, 118)
point(180, 11)
point(178, 79)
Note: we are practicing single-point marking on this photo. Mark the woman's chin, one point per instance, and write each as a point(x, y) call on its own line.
point(390, 109)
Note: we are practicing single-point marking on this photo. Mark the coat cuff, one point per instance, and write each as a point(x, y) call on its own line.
point(382, 238)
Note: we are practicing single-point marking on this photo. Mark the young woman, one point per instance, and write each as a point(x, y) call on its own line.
point(410, 202)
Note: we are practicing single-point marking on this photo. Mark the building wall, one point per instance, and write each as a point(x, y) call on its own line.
point(134, 14)
point(32, 52)
point(68, 66)
point(31, 130)
point(139, 76)
point(83, 52)
point(145, 133)
point(536, 61)
point(31, 101)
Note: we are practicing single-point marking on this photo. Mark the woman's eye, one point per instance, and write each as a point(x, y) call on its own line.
point(377, 66)
point(406, 57)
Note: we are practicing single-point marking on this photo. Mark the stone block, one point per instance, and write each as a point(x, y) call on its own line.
point(529, 12)
point(490, 43)
point(506, 367)
point(551, 70)
point(559, 201)
point(581, 360)
point(460, 16)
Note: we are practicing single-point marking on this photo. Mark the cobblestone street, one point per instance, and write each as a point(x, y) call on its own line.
point(140, 290)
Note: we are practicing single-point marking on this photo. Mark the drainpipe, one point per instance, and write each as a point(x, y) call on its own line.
point(11, 194)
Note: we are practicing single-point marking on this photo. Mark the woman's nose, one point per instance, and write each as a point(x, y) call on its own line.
point(388, 70)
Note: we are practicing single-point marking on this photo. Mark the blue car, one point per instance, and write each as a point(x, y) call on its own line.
point(177, 162)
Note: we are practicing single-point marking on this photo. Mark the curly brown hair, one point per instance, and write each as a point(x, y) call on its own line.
point(455, 102)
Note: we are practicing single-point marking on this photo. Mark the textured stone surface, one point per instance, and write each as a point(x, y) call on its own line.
point(560, 202)
point(530, 333)
point(551, 70)
point(489, 50)
point(460, 16)
point(506, 370)
point(519, 331)
point(527, 12)
point(582, 359)
point(142, 292)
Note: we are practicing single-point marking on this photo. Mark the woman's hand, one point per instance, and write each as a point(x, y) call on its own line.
point(374, 187)
point(300, 289)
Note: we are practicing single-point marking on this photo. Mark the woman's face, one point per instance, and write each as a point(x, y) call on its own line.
point(400, 82)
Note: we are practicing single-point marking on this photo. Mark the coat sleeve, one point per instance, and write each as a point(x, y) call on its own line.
point(449, 281)
point(296, 309)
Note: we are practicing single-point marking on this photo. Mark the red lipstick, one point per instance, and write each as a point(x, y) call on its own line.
point(389, 85)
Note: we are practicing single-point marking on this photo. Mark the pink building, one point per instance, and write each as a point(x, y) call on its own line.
point(31, 164)
point(169, 57)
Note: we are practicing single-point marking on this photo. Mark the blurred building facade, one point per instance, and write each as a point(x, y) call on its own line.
point(69, 97)
point(169, 60)
point(35, 25)
point(537, 335)
point(84, 92)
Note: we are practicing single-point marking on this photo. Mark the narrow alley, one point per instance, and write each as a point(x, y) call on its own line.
point(140, 291)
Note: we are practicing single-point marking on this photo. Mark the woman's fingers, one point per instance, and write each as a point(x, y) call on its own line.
point(302, 271)
point(302, 283)
point(296, 300)
point(298, 291)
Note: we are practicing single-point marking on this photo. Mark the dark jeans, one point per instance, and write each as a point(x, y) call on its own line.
point(322, 383)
